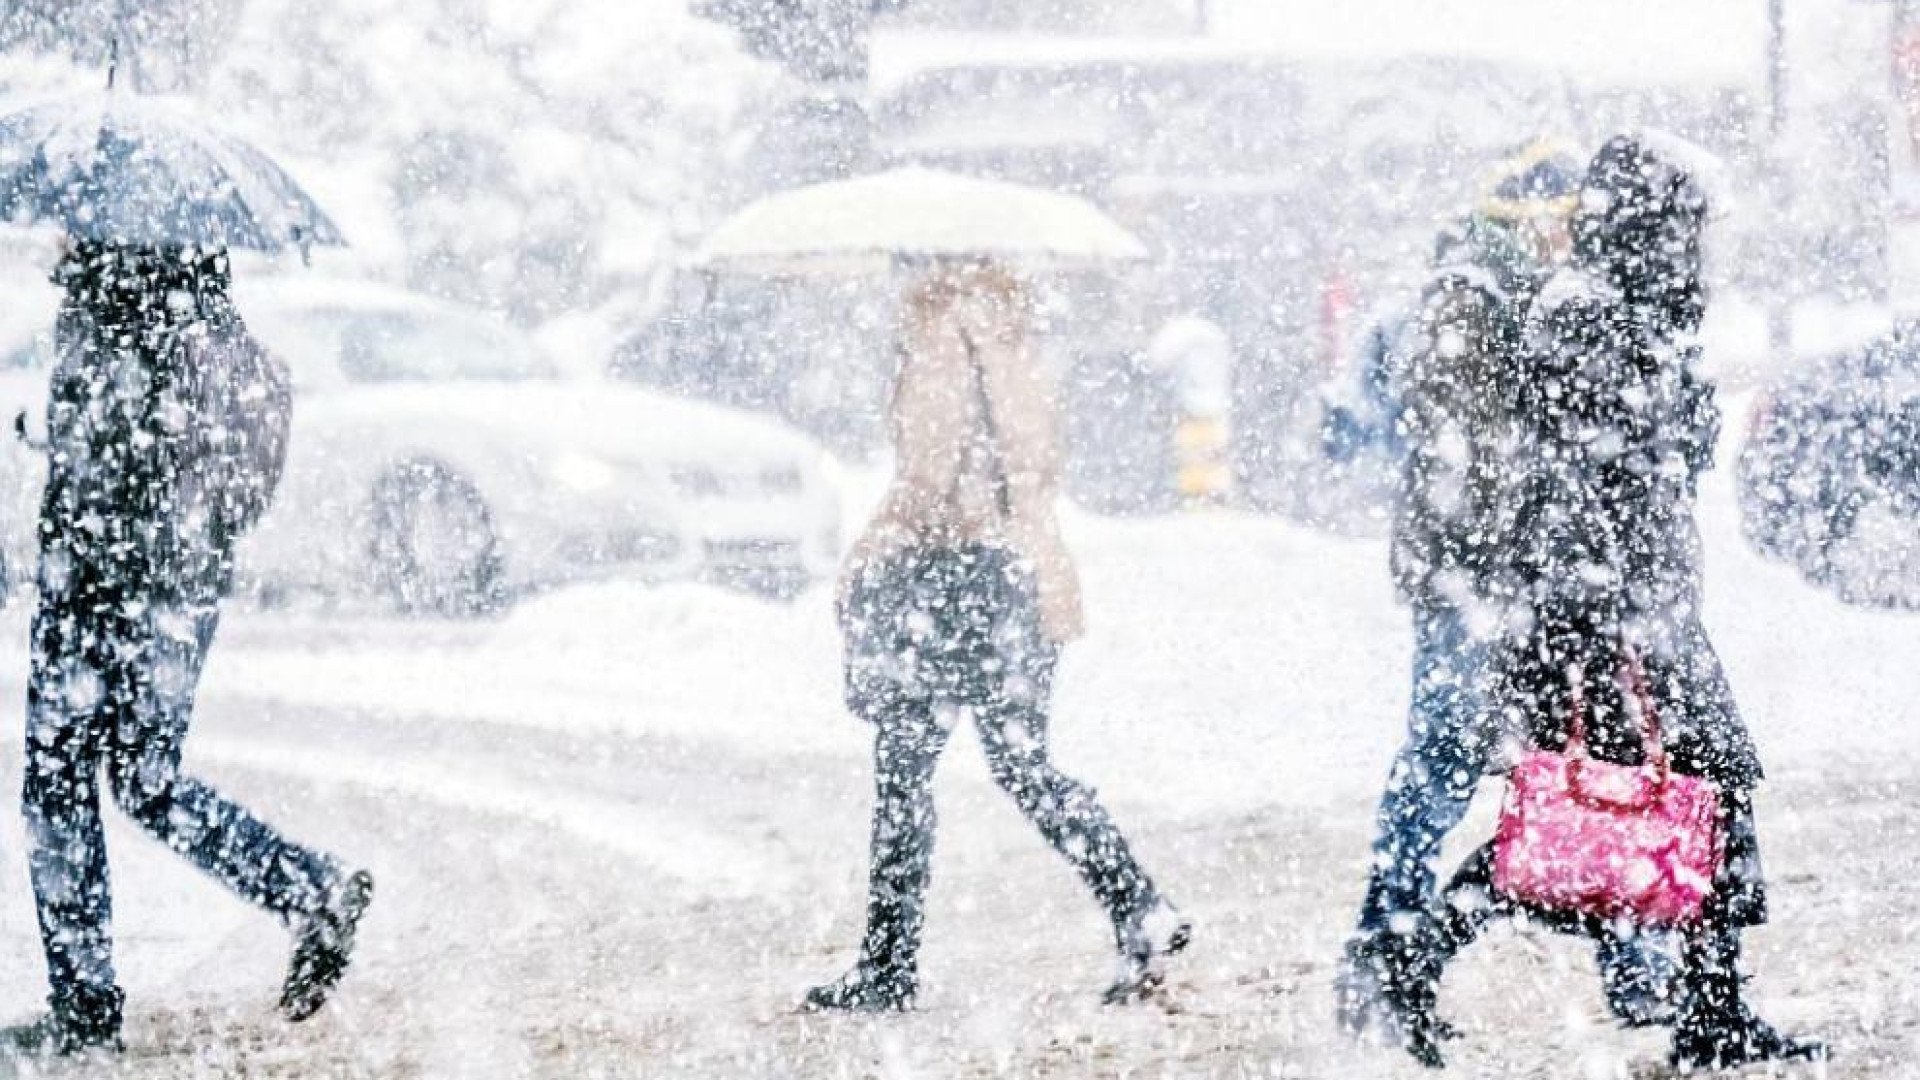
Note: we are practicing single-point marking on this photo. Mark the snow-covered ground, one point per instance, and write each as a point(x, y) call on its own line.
point(618, 831)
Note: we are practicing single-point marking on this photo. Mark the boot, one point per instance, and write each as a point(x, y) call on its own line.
point(1717, 1029)
point(886, 977)
point(1389, 983)
point(323, 944)
point(868, 988)
point(80, 1021)
point(1360, 985)
point(1144, 940)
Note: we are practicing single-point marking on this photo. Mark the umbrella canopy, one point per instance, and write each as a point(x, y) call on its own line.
point(127, 169)
point(916, 213)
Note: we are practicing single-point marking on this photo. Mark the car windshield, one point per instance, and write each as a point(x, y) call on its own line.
point(403, 347)
point(329, 346)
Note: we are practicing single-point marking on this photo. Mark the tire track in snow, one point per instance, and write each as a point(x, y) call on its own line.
point(707, 862)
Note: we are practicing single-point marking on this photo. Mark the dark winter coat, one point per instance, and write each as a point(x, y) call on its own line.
point(1453, 385)
point(1617, 427)
point(167, 430)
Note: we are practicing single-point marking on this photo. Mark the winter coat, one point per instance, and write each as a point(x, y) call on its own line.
point(167, 433)
point(964, 355)
point(1453, 383)
point(1616, 427)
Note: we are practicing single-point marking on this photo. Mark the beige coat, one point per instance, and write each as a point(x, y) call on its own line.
point(943, 490)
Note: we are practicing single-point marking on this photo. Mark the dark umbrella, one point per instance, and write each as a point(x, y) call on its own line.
point(140, 171)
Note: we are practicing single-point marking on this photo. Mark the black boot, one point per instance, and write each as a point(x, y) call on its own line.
point(869, 988)
point(1145, 938)
point(323, 944)
point(1410, 990)
point(1717, 1029)
point(886, 977)
point(80, 1021)
point(1360, 985)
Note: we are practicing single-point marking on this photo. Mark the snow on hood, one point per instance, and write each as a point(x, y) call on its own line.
point(622, 424)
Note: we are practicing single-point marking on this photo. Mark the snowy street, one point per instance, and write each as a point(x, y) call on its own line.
point(619, 831)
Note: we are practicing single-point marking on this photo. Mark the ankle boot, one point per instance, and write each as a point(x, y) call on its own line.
point(1146, 938)
point(79, 1021)
point(886, 977)
point(868, 988)
point(1717, 1029)
point(323, 946)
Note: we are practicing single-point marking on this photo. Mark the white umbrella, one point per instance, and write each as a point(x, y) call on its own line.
point(916, 213)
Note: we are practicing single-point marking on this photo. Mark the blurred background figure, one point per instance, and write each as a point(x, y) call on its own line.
point(956, 604)
point(1195, 355)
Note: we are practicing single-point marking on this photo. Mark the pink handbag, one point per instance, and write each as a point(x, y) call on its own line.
point(1630, 842)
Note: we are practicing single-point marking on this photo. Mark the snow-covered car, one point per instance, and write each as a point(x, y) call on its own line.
point(1829, 477)
point(439, 459)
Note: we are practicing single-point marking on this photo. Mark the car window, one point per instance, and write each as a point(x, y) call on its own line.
point(395, 347)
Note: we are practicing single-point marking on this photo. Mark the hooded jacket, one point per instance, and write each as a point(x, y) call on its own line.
point(1616, 427)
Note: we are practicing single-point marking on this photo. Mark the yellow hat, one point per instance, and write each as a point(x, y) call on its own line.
point(1540, 179)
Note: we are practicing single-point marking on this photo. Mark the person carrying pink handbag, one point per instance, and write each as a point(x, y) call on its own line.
point(1602, 563)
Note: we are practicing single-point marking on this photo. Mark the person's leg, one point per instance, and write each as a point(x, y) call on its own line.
point(1639, 974)
point(214, 833)
point(1407, 960)
point(321, 903)
point(909, 735)
point(1435, 774)
point(1013, 731)
point(1716, 1027)
point(70, 698)
point(1427, 793)
point(1012, 720)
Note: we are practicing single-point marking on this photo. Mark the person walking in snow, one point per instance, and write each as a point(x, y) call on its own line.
point(955, 605)
point(167, 430)
point(1450, 377)
point(1603, 556)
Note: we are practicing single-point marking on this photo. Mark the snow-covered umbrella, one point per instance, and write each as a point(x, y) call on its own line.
point(133, 169)
point(916, 213)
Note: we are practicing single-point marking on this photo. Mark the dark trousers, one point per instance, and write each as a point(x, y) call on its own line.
point(112, 693)
point(910, 733)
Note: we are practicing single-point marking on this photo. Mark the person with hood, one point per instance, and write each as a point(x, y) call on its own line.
point(955, 605)
point(1450, 372)
point(167, 430)
point(1603, 563)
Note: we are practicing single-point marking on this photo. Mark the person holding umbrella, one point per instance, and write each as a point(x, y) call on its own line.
point(167, 428)
point(956, 604)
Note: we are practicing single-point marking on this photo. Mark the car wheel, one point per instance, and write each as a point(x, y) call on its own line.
point(436, 551)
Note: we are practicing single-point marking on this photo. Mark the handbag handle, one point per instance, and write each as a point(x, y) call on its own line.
point(1651, 742)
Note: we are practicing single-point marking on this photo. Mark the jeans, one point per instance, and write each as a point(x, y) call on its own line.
point(112, 692)
point(910, 733)
point(1449, 740)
